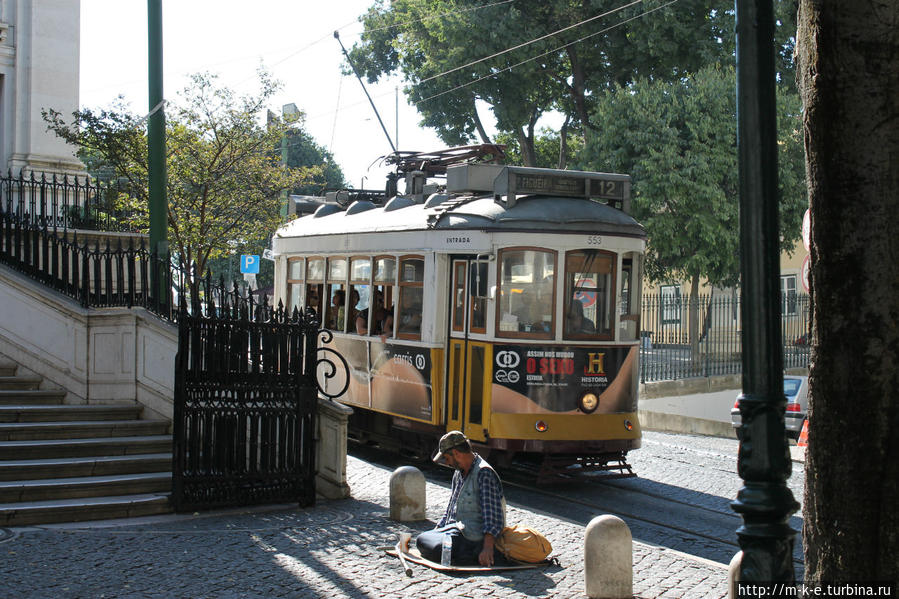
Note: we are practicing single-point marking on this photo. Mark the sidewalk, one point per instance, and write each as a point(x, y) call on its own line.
point(331, 550)
point(697, 414)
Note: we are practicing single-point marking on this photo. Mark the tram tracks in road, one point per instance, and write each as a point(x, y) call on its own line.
point(652, 517)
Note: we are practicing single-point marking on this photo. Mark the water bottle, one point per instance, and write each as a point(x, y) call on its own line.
point(446, 553)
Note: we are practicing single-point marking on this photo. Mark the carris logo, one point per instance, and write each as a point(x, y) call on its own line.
point(507, 359)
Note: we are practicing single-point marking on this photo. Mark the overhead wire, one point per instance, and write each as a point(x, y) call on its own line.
point(533, 41)
point(518, 46)
point(548, 52)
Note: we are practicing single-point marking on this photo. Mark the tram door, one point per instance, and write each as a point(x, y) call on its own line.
point(469, 360)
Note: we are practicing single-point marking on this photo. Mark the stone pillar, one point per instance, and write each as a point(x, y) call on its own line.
point(608, 559)
point(733, 575)
point(330, 450)
point(39, 52)
point(407, 494)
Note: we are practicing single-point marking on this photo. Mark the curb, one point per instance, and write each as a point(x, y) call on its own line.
point(675, 423)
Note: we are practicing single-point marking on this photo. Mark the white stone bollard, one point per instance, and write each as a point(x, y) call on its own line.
point(733, 575)
point(608, 559)
point(407, 494)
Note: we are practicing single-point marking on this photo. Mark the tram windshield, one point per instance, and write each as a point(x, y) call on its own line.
point(526, 293)
point(589, 293)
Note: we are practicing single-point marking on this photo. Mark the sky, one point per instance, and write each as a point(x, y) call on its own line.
point(292, 39)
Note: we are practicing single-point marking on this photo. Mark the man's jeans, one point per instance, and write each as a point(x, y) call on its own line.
point(465, 552)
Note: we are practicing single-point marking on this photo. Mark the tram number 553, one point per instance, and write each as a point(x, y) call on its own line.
point(594, 239)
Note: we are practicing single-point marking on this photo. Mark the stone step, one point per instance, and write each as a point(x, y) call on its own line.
point(81, 510)
point(89, 447)
point(68, 413)
point(19, 382)
point(28, 431)
point(8, 368)
point(27, 397)
point(84, 466)
point(29, 491)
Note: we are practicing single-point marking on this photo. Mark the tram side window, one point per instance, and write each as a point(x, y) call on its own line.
point(629, 310)
point(526, 293)
point(589, 294)
point(337, 298)
point(459, 296)
point(315, 277)
point(371, 319)
point(478, 289)
point(295, 277)
point(360, 292)
point(411, 297)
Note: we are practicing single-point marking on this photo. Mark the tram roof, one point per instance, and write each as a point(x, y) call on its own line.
point(529, 213)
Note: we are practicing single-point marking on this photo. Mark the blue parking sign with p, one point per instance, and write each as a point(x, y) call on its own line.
point(249, 264)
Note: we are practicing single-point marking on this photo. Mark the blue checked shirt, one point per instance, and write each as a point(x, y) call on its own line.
point(491, 494)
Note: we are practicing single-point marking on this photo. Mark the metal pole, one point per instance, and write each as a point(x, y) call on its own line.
point(156, 131)
point(764, 501)
point(355, 72)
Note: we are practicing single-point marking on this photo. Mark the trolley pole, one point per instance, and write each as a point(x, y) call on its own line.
point(156, 144)
point(764, 501)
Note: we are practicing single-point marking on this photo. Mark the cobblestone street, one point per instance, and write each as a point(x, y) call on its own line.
point(332, 550)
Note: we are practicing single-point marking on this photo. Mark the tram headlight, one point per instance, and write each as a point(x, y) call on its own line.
point(541, 426)
point(588, 402)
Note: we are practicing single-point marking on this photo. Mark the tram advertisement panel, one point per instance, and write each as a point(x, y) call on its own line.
point(534, 379)
point(401, 380)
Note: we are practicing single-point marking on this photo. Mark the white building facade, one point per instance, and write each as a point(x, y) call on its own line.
point(39, 70)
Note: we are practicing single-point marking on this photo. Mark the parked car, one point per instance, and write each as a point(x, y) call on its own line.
point(796, 392)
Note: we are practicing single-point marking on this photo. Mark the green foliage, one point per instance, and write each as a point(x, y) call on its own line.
point(546, 148)
point(224, 178)
point(303, 152)
point(678, 142)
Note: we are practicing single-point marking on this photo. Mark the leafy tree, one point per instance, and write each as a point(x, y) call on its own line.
point(548, 148)
point(599, 45)
point(678, 142)
point(303, 152)
point(848, 78)
point(224, 178)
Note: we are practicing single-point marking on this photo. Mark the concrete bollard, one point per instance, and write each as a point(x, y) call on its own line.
point(733, 575)
point(608, 559)
point(407, 494)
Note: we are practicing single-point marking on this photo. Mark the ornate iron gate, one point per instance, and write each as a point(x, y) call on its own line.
point(245, 405)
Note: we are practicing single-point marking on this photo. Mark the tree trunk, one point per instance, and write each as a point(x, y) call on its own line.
point(563, 143)
point(849, 80)
point(578, 87)
point(526, 141)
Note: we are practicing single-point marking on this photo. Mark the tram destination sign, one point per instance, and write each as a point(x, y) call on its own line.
point(515, 181)
point(569, 186)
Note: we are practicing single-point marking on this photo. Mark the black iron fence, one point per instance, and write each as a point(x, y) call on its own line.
point(695, 336)
point(100, 274)
point(245, 405)
point(72, 202)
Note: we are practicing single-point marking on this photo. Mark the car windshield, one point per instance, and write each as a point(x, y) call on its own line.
point(791, 387)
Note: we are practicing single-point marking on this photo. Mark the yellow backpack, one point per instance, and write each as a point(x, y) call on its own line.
point(523, 544)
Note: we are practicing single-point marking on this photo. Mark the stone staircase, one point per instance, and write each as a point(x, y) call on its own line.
point(67, 463)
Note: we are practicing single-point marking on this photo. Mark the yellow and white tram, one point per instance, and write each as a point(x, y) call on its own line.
point(505, 306)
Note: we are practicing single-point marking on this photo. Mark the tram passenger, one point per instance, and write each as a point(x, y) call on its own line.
point(575, 321)
point(387, 327)
point(378, 314)
point(476, 513)
point(338, 301)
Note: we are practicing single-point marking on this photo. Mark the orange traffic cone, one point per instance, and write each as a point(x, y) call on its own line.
point(803, 435)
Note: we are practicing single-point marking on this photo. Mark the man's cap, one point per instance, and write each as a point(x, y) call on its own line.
point(449, 441)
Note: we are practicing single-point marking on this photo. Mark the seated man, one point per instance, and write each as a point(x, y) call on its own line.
point(476, 513)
